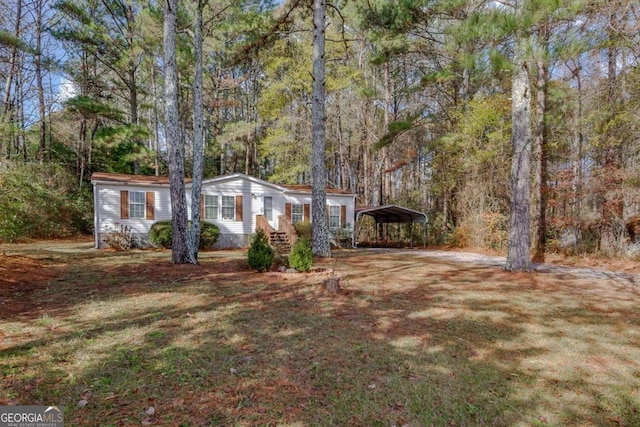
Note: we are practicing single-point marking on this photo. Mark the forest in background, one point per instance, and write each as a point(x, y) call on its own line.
point(418, 106)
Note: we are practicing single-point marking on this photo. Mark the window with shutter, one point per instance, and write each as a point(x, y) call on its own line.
point(137, 203)
point(228, 207)
point(334, 216)
point(210, 207)
point(297, 213)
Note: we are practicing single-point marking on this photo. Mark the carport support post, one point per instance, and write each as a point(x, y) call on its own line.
point(386, 233)
point(411, 235)
point(424, 227)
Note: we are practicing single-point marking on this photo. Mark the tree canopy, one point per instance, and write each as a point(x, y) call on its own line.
point(419, 105)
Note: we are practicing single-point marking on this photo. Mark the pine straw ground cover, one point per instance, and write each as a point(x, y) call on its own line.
point(125, 339)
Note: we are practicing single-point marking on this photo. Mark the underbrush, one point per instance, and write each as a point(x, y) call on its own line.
point(39, 201)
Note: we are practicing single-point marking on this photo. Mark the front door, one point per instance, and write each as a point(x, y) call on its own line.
point(268, 210)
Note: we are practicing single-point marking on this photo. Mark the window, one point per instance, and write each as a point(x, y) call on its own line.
point(210, 207)
point(228, 207)
point(137, 203)
point(268, 208)
point(334, 216)
point(297, 213)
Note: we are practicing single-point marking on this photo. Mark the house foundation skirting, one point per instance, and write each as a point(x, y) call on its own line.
point(141, 240)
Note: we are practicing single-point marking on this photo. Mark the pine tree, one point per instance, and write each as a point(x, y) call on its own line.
point(519, 253)
point(320, 229)
point(198, 135)
point(180, 252)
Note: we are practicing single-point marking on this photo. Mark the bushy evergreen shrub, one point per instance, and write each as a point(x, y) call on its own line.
point(301, 256)
point(260, 255)
point(161, 234)
point(303, 229)
point(209, 234)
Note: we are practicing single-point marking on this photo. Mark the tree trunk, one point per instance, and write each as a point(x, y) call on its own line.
point(611, 226)
point(519, 253)
point(180, 253)
point(38, 64)
point(133, 86)
point(198, 136)
point(320, 230)
point(156, 136)
point(540, 176)
point(576, 160)
point(13, 60)
point(385, 176)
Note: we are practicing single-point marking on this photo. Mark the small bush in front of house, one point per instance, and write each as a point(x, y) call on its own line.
point(209, 234)
point(303, 229)
point(260, 255)
point(119, 237)
point(161, 234)
point(301, 256)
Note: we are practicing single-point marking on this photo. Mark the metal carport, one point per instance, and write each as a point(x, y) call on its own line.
point(391, 214)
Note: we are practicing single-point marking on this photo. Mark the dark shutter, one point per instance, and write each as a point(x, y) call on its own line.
point(287, 210)
point(124, 204)
point(238, 208)
point(307, 211)
point(343, 216)
point(202, 207)
point(151, 197)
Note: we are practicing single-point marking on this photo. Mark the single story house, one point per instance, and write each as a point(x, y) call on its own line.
point(238, 204)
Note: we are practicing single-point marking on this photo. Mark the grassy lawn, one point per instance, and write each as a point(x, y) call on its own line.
point(410, 340)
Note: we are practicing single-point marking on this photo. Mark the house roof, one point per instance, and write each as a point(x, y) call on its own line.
point(164, 180)
point(305, 188)
point(392, 214)
point(131, 179)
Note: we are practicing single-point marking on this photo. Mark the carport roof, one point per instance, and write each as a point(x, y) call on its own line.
point(392, 214)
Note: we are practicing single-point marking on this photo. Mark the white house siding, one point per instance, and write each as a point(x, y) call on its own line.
point(108, 217)
point(233, 233)
point(331, 200)
point(237, 233)
point(343, 200)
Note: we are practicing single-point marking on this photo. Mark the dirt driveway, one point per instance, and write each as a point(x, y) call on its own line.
point(621, 271)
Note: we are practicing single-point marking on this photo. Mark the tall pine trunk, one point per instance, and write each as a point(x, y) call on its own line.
point(198, 136)
point(7, 112)
point(180, 253)
point(38, 63)
point(611, 226)
point(320, 230)
point(519, 253)
point(540, 176)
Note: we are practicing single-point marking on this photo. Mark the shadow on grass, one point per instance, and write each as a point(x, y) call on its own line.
point(450, 344)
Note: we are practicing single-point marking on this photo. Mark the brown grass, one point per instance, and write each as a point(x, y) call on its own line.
point(409, 340)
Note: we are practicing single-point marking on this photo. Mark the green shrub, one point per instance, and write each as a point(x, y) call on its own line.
point(260, 255)
point(301, 256)
point(39, 201)
point(161, 234)
point(303, 229)
point(209, 234)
